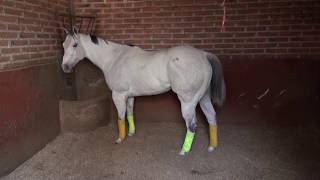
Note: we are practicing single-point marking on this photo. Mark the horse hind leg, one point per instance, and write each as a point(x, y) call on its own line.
point(130, 104)
point(210, 113)
point(189, 115)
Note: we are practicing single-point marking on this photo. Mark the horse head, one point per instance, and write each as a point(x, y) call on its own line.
point(73, 50)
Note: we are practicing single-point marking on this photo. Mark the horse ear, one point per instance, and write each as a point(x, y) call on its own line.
point(75, 30)
point(66, 31)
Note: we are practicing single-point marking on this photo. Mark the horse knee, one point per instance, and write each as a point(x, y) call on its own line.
point(212, 121)
point(191, 121)
point(192, 126)
point(189, 115)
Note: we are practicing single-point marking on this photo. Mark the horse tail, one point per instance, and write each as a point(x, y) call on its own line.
point(218, 89)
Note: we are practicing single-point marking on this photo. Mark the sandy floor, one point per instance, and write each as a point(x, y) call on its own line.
point(245, 152)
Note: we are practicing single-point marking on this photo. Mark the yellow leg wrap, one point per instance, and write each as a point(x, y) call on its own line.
point(122, 128)
point(213, 135)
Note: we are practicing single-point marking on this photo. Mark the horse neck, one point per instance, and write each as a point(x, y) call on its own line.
point(102, 55)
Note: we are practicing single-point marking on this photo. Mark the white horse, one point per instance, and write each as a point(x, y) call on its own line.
point(194, 75)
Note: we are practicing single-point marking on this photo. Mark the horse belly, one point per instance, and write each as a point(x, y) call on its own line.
point(149, 83)
point(149, 86)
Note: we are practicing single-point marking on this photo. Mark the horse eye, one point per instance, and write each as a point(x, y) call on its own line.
point(75, 45)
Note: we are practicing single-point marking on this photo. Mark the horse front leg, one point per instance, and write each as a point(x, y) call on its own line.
point(130, 104)
point(119, 100)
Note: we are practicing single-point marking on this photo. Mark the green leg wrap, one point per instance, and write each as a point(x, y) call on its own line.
point(188, 141)
point(132, 128)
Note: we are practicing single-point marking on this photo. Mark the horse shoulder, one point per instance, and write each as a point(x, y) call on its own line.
point(117, 77)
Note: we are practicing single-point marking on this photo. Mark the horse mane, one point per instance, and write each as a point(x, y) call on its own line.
point(94, 39)
point(131, 45)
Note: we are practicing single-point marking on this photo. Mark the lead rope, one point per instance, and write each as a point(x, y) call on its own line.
point(224, 16)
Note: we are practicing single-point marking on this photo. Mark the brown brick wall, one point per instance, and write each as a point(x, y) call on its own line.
point(253, 28)
point(29, 32)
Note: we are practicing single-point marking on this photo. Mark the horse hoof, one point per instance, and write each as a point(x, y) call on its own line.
point(118, 141)
point(211, 149)
point(182, 153)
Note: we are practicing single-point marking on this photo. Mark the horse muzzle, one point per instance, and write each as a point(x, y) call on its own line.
point(66, 68)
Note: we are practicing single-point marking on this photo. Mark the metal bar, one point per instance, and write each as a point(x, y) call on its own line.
point(80, 24)
point(88, 26)
point(77, 16)
point(93, 21)
point(71, 15)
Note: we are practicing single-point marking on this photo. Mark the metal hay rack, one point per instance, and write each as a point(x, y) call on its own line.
point(85, 24)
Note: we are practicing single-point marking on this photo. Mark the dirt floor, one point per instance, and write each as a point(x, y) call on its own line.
point(246, 151)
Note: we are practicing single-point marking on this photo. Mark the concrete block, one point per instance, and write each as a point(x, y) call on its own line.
point(84, 115)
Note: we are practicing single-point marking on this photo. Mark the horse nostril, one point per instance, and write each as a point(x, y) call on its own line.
point(66, 68)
